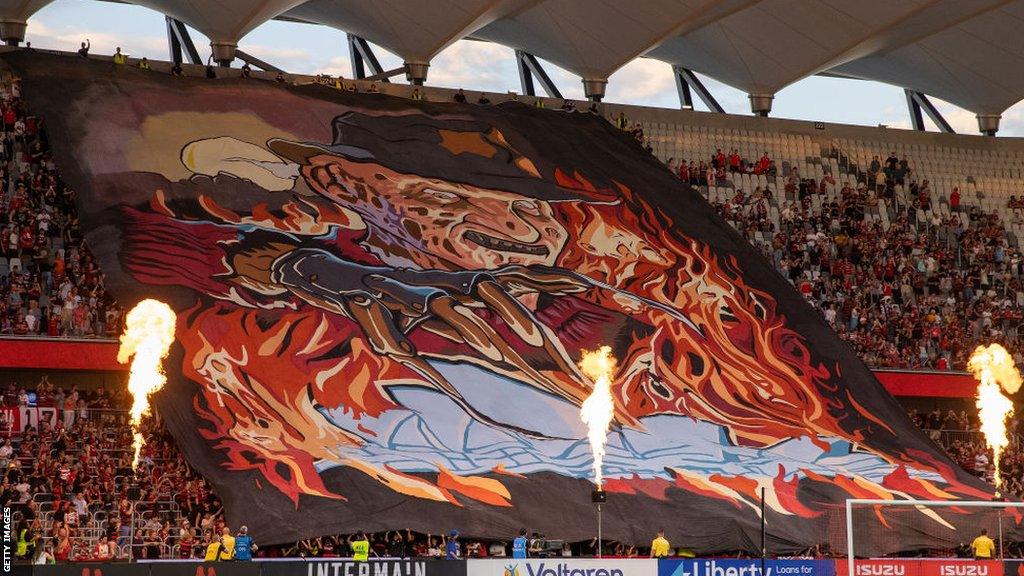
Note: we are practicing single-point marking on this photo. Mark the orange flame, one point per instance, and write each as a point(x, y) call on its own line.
point(148, 335)
point(598, 409)
point(995, 370)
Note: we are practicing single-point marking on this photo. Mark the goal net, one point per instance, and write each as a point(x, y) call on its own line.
point(925, 528)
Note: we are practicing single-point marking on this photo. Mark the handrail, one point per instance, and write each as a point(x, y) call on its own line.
point(43, 338)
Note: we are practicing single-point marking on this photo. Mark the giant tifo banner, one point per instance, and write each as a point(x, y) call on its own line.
point(382, 302)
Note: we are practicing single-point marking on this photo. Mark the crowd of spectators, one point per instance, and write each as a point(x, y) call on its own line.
point(68, 479)
point(50, 283)
point(912, 289)
point(959, 434)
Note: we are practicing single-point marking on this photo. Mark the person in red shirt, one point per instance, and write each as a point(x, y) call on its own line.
point(53, 326)
point(27, 241)
point(329, 547)
point(763, 164)
point(18, 201)
point(186, 544)
point(734, 161)
point(63, 551)
point(21, 325)
point(954, 199)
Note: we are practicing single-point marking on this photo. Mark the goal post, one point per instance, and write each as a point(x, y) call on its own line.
point(932, 519)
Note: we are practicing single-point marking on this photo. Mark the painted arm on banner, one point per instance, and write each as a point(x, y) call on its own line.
point(389, 303)
point(477, 309)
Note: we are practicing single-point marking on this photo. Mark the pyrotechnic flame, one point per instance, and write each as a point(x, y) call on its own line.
point(995, 370)
point(148, 335)
point(599, 408)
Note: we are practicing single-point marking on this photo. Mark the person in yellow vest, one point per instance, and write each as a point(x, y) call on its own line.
point(21, 551)
point(120, 58)
point(212, 550)
point(144, 64)
point(360, 548)
point(660, 546)
point(983, 546)
point(227, 545)
point(337, 83)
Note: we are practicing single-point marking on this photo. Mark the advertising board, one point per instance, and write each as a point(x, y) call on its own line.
point(744, 567)
point(921, 567)
point(562, 567)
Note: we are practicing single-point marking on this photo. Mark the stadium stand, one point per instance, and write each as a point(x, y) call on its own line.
point(50, 284)
point(911, 252)
point(69, 481)
point(933, 242)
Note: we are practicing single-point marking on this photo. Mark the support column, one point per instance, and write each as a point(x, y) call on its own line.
point(988, 124)
point(180, 42)
point(594, 88)
point(223, 52)
point(761, 104)
point(416, 72)
point(916, 117)
point(173, 44)
point(364, 61)
point(683, 88)
point(254, 61)
point(686, 81)
point(358, 69)
point(918, 103)
point(525, 76)
point(12, 32)
point(529, 70)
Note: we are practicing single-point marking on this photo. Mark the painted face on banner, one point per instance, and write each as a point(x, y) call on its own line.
point(440, 224)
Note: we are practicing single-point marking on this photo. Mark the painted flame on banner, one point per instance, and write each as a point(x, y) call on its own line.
point(598, 409)
point(995, 371)
point(147, 339)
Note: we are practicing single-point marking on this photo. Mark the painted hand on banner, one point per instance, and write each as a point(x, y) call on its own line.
point(389, 303)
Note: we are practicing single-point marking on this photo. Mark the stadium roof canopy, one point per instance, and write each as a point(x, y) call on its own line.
point(967, 52)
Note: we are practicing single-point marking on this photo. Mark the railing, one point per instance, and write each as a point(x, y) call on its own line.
point(45, 338)
point(14, 419)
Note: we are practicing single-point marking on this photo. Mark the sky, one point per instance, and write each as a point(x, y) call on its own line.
point(311, 49)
